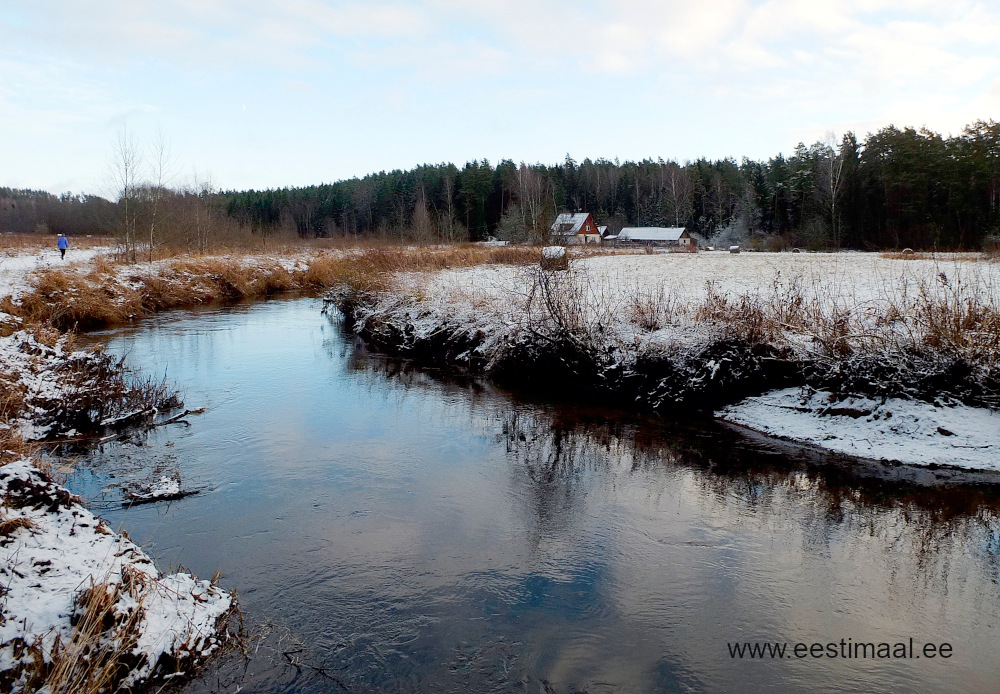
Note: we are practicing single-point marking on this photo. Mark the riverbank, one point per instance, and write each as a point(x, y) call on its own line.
point(709, 331)
point(84, 608)
point(102, 292)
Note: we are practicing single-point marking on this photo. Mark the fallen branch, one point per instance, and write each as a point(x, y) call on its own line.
point(176, 417)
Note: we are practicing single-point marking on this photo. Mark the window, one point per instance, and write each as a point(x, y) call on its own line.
point(588, 227)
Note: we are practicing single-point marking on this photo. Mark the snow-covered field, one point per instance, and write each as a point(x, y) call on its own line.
point(17, 265)
point(863, 286)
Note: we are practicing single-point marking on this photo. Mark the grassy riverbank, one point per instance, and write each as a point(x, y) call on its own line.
point(102, 292)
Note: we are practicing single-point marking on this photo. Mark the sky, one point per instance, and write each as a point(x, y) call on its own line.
point(267, 94)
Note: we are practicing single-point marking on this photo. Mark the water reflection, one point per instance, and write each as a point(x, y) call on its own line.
point(401, 530)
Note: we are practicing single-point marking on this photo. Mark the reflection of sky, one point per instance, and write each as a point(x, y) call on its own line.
point(405, 526)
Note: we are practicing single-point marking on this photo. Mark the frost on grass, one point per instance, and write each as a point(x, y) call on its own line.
point(83, 607)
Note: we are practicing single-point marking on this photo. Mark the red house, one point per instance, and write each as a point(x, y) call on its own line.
point(575, 228)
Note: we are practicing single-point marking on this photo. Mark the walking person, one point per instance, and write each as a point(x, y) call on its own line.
point(63, 244)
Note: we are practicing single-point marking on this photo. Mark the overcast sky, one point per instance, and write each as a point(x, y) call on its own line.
point(260, 93)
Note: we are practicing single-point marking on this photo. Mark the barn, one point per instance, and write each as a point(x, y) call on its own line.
point(655, 236)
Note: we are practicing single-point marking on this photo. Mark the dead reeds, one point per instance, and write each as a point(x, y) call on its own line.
point(110, 293)
point(99, 655)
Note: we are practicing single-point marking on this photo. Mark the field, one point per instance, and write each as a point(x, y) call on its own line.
point(836, 300)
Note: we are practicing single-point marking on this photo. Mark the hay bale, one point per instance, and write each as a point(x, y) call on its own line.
point(907, 253)
point(554, 258)
point(734, 249)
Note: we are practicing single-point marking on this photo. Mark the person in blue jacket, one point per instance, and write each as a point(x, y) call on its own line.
point(63, 244)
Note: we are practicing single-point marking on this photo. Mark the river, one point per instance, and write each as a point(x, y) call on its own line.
point(395, 529)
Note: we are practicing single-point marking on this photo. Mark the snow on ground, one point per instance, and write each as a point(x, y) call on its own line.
point(907, 431)
point(39, 373)
point(653, 300)
point(58, 549)
point(16, 266)
point(860, 281)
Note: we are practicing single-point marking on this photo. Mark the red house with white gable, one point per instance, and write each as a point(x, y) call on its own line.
point(575, 228)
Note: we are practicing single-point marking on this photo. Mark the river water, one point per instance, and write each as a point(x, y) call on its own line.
point(394, 529)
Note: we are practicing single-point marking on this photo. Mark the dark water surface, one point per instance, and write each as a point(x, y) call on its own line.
point(392, 530)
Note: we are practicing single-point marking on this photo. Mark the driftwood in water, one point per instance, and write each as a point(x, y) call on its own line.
point(138, 498)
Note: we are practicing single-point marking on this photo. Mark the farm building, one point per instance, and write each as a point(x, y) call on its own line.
point(656, 236)
point(575, 228)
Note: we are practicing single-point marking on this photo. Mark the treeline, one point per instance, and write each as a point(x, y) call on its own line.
point(36, 211)
point(897, 188)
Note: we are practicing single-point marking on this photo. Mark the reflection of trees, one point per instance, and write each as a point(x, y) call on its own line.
point(831, 503)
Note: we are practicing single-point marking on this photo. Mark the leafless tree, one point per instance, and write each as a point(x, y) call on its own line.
point(831, 180)
point(126, 162)
point(421, 223)
point(160, 174)
point(531, 192)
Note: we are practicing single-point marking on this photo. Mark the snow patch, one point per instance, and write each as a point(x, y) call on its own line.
point(894, 429)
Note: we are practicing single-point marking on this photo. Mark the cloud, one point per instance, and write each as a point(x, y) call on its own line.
point(646, 66)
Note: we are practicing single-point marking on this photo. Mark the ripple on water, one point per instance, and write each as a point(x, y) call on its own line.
point(390, 529)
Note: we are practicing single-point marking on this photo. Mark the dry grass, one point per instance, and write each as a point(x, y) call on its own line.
point(36, 242)
point(8, 526)
point(963, 319)
point(98, 656)
point(12, 406)
point(86, 392)
point(908, 254)
point(652, 307)
point(63, 299)
point(112, 293)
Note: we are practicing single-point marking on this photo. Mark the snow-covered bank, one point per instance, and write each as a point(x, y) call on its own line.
point(53, 390)
point(54, 552)
point(79, 603)
point(893, 429)
point(704, 331)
